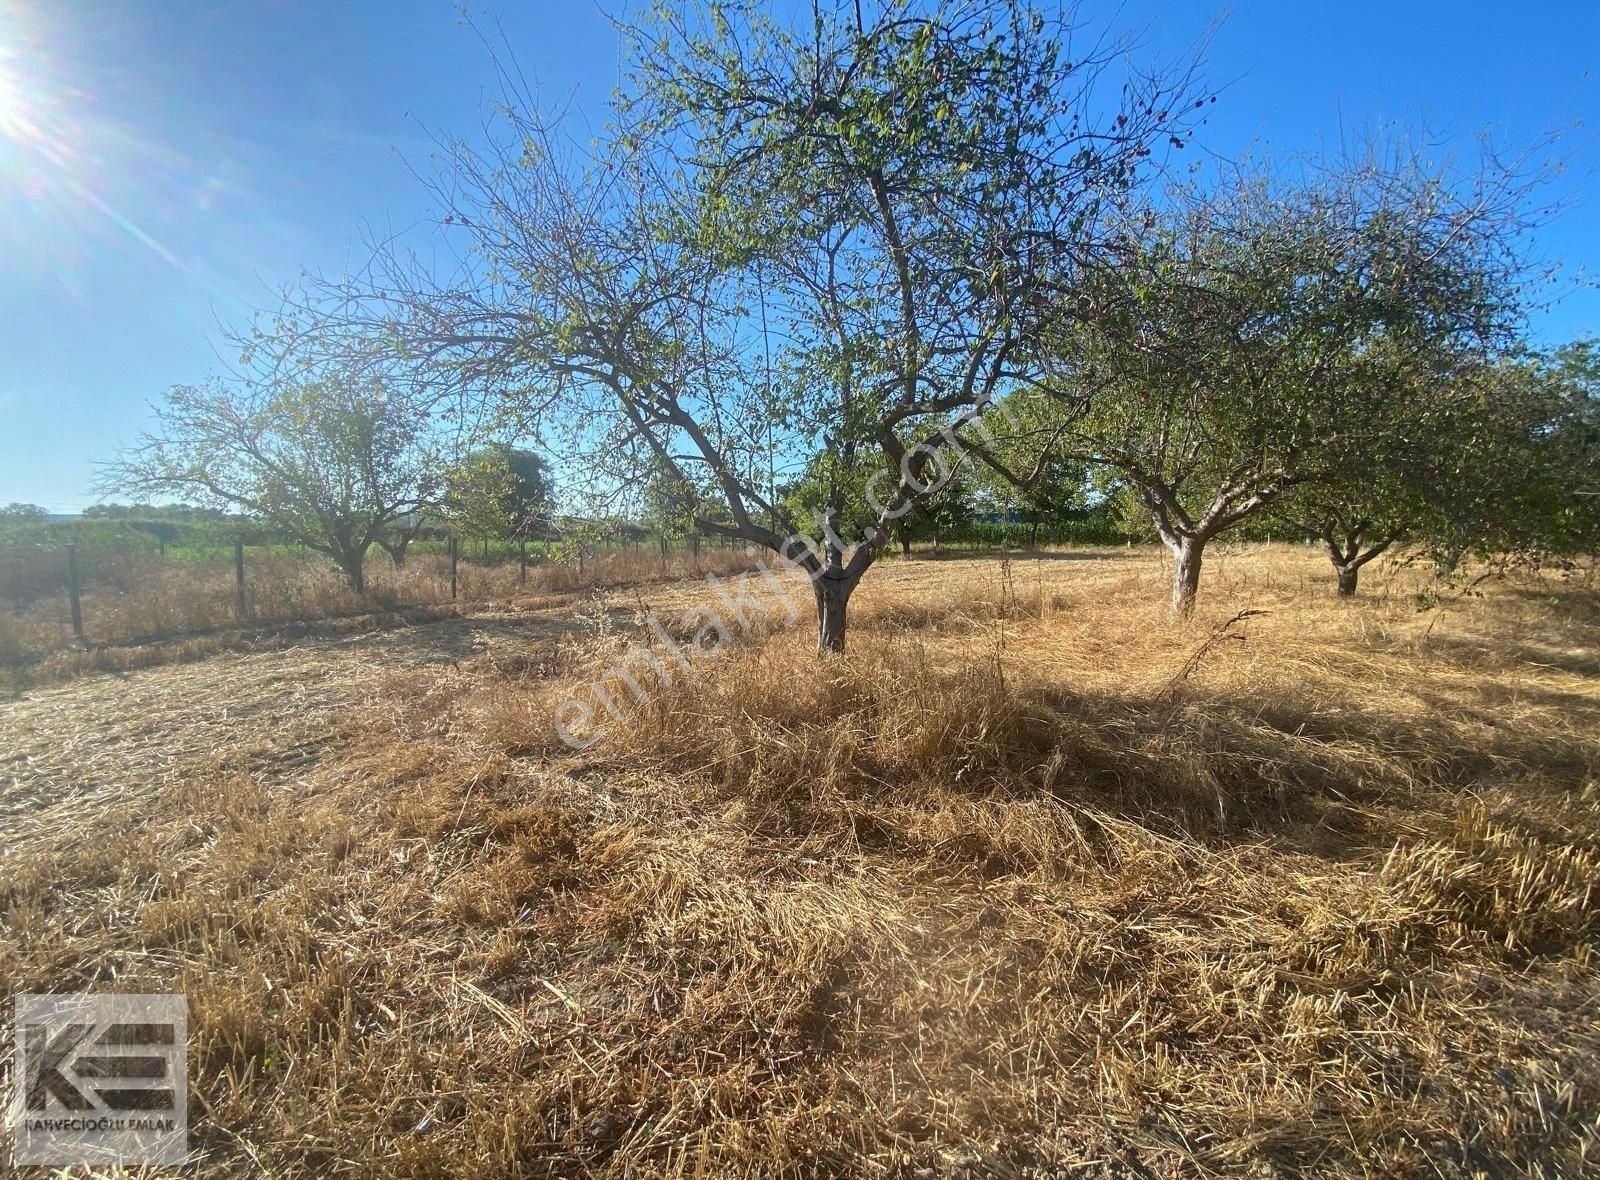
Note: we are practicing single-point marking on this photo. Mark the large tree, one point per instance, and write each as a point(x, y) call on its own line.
point(831, 237)
point(333, 462)
point(1264, 334)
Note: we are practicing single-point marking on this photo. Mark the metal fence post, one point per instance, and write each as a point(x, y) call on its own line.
point(74, 590)
point(452, 569)
point(238, 573)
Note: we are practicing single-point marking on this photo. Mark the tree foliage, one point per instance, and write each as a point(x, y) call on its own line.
point(500, 491)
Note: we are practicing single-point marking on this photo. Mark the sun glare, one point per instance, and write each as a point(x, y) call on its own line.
point(57, 159)
point(13, 115)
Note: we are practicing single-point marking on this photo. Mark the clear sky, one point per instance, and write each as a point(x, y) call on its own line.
point(166, 164)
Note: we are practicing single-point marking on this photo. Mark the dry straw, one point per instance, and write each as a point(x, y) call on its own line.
point(1000, 894)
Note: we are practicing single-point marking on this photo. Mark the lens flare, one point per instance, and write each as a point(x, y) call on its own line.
point(16, 121)
point(10, 99)
point(65, 171)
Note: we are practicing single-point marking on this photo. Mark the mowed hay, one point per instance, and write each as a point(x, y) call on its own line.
point(1032, 883)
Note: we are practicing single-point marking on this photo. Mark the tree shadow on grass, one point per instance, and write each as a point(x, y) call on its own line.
point(1501, 654)
point(964, 554)
point(1331, 777)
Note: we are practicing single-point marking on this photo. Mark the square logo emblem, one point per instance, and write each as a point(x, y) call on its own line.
point(100, 1079)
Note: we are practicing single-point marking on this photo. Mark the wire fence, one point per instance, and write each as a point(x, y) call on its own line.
point(97, 589)
point(96, 582)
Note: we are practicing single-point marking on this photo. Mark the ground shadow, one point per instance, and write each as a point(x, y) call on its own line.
point(455, 639)
point(1468, 652)
point(954, 554)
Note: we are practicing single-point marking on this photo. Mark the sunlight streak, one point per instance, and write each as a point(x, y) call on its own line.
point(67, 174)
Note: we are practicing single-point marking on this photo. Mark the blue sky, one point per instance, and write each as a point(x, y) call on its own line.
point(165, 164)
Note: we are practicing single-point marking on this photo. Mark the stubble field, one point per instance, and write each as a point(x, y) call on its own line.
point(1031, 883)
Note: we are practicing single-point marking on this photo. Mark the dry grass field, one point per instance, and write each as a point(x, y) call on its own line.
point(1033, 883)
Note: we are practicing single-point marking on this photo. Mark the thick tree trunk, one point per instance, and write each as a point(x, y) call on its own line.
point(1348, 557)
point(396, 551)
point(355, 573)
point(1346, 569)
point(1185, 575)
point(833, 598)
point(905, 545)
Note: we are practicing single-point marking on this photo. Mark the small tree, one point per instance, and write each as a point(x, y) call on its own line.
point(1357, 514)
point(332, 462)
point(1511, 466)
point(18, 513)
point(945, 515)
point(1496, 457)
point(1055, 488)
point(668, 503)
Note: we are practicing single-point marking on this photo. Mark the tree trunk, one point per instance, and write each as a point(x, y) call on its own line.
point(1348, 560)
point(1185, 575)
point(355, 572)
point(1345, 568)
point(396, 551)
point(905, 545)
point(833, 597)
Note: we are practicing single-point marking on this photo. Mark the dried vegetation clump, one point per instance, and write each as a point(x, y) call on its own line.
point(1020, 888)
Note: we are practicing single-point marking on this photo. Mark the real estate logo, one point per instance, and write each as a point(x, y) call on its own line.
point(100, 1079)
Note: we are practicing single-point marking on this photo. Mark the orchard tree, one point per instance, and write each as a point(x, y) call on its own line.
point(832, 236)
point(1491, 458)
point(333, 462)
point(1021, 475)
point(945, 515)
point(669, 504)
point(1572, 435)
point(1265, 335)
point(1385, 491)
point(1358, 513)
